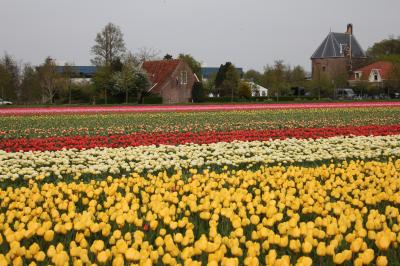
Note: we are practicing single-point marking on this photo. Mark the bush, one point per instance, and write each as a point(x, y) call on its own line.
point(152, 100)
point(198, 92)
point(244, 90)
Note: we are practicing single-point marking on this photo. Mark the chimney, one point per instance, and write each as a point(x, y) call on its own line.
point(349, 29)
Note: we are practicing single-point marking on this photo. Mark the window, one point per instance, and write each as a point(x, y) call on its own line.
point(358, 75)
point(184, 80)
point(341, 48)
point(375, 75)
point(263, 93)
point(323, 68)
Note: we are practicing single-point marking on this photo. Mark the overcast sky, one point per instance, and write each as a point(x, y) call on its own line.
point(249, 33)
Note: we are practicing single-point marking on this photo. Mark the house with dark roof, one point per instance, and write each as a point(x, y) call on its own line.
point(171, 79)
point(338, 54)
point(376, 73)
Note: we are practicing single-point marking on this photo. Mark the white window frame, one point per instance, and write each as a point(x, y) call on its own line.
point(184, 78)
point(375, 73)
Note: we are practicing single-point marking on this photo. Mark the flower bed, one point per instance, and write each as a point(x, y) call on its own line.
point(249, 187)
point(175, 138)
point(237, 154)
point(189, 108)
point(346, 213)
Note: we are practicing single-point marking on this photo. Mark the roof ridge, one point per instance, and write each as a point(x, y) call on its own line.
point(326, 44)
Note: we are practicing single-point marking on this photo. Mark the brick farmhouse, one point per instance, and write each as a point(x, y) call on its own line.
point(338, 55)
point(171, 79)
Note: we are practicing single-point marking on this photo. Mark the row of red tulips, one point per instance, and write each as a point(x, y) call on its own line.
point(139, 139)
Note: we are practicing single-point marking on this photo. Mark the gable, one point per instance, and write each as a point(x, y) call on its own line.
point(159, 72)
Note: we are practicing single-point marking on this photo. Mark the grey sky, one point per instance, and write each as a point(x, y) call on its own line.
point(250, 33)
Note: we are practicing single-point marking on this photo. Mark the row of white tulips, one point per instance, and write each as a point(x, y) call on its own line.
point(97, 161)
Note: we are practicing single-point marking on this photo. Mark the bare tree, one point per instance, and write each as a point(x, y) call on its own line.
point(48, 79)
point(146, 54)
point(109, 45)
point(69, 72)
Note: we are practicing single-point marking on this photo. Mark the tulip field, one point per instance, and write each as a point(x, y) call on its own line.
point(309, 184)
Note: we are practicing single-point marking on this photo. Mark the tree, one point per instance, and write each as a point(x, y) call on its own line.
point(297, 76)
point(321, 86)
point(277, 79)
point(253, 75)
point(393, 82)
point(168, 57)
point(30, 86)
point(220, 77)
point(142, 83)
point(9, 78)
point(102, 80)
point(230, 85)
point(109, 45)
point(48, 80)
point(385, 47)
point(198, 92)
point(146, 54)
point(227, 80)
point(193, 64)
point(209, 84)
point(130, 79)
point(69, 71)
point(245, 90)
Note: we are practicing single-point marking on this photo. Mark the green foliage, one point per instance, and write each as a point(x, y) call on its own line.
point(124, 80)
point(30, 87)
point(230, 85)
point(9, 78)
point(227, 80)
point(220, 77)
point(297, 77)
point(198, 92)
point(168, 57)
point(80, 93)
point(193, 64)
point(245, 90)
point(393, 82)
point(253, 75)
point(152, 100)
point(277, 79)
point(321, 86)
point(102, 81)
point(387, 47)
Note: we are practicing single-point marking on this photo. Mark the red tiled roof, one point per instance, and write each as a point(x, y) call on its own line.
point(383, 67)
point(159, 72)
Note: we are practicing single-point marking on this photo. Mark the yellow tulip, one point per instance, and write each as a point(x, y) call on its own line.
point(304, 261)
point(48, 235)
point(381, 261)
point(306, 247)
point(132, 254)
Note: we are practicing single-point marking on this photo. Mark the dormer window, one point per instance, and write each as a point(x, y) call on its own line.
point(323, 68)
point(357, 75)
point(374, 77)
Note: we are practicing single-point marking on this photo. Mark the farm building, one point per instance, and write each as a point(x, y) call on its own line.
point(171, 79)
